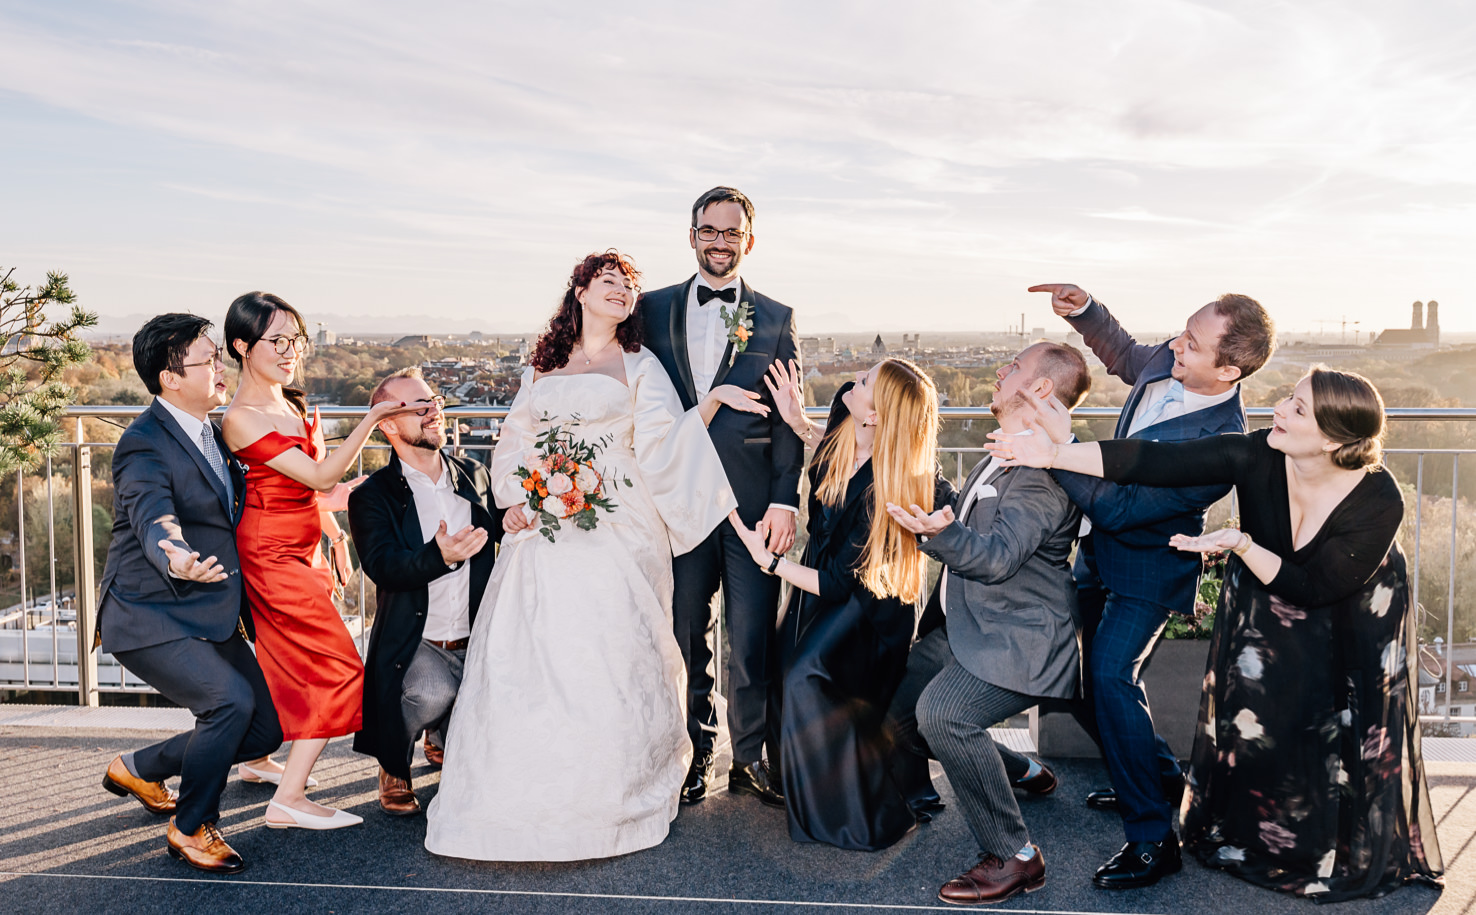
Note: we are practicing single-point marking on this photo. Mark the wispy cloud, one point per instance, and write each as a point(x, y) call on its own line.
point(363, 155)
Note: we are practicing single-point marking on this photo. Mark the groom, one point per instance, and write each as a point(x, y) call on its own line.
point(716, 329)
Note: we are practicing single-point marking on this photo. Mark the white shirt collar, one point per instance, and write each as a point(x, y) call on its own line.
point(415, 476)
point(188, 423)
point(1194, 402)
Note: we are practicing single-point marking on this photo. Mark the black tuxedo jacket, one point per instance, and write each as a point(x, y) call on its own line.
point(397, 558)
point(762, 455)
point(165, 490)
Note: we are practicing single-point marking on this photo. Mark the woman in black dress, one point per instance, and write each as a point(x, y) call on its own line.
point(1306, 775)
point(850, 618)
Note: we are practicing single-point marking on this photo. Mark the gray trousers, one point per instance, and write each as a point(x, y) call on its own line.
point(954, 715)
point(431, 682)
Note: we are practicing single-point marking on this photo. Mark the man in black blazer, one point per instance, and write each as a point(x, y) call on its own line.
point(167, 615)
point(716, 329)
point(421, 525)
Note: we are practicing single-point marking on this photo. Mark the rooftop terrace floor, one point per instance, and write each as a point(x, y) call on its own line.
point(66, 845)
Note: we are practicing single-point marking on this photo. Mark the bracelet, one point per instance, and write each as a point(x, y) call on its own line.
point(1245, 544)
point(342, 535)
point(1055, 453)
point(774, 565)
point(808, 433)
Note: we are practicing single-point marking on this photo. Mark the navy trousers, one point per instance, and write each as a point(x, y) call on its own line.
point(235, 720)
point(751, 608)
point(1118, 635)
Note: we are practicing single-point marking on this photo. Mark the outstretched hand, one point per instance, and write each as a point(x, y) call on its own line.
point(462, 545)
point(336, 499)
point(784, 385)
point(1031, 448)
point(741, 399)
point(1065, 298)
point(1226, 538)
point(189, 566)
point(914, 520)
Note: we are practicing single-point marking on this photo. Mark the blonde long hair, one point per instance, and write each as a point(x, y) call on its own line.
point(904, 457)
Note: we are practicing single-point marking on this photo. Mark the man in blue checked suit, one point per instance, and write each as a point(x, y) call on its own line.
point(1128, 578)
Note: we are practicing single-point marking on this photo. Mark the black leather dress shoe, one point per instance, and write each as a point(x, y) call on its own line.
point(1140, 864)
point(1106, 798)
point(927, 808)
point(1041, 783)
point(755, 779)
point(694, 788)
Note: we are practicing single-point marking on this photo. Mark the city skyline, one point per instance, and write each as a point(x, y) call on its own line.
point(907, 164)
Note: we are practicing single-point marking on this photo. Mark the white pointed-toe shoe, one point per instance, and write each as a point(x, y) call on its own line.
point(340, 819)
point(259, 776)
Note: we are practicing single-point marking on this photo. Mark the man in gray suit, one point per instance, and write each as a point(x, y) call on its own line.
point(1010, 603)
point(167, 615)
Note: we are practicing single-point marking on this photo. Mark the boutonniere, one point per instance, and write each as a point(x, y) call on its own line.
point(740, 327)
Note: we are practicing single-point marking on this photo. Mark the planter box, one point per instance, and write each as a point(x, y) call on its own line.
point(1173, 676)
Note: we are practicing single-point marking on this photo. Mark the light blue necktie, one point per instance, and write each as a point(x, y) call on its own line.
point(1174, 394)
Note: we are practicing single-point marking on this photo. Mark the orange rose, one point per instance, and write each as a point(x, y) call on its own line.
point(529, 483)
point(543, 491)
point(742, 333)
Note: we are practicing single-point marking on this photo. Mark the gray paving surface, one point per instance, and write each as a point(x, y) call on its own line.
point(66, 845)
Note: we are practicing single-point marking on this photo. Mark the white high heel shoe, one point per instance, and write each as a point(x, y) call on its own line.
point(340, 819)
point(258, 776)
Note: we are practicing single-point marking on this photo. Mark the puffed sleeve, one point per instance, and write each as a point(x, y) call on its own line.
point(676, 457)
point(515, 438)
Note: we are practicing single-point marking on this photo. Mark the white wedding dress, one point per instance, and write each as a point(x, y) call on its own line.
point(569, 736)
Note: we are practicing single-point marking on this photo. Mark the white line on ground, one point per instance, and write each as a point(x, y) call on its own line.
point(628, 897)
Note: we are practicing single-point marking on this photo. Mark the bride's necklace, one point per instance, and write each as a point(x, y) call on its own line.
point(859, 461)
point(588, 355)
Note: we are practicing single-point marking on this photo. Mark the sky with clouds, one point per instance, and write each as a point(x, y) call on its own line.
point(914, 166)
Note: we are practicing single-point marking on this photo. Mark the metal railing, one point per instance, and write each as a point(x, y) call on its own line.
point(51, 648)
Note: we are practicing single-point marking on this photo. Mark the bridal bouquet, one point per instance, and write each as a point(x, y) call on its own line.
point(561, 481)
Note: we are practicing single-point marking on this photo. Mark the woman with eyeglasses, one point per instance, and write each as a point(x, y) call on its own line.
point(306, 653)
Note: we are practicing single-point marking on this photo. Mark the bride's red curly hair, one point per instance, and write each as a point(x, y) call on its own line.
point(565, 327)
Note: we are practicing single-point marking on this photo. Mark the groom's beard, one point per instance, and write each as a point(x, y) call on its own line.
point(1012, 405)
point(730, 270)
point(430, 442)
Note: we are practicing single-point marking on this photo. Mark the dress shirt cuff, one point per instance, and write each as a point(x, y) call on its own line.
point(788, 508)
point(1082, 310)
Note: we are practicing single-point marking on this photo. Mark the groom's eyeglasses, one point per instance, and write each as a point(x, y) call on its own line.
point(213, 361)
point(437, 404)
point(732, 236)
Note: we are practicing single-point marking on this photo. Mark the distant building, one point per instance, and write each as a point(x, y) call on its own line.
point(417, 340)
point(325, 336)
point(1423, 332)
point(878, 348)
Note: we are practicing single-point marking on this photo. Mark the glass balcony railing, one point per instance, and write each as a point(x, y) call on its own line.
point(50, 564)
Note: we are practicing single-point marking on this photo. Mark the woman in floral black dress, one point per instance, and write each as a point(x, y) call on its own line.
point(1306, 775)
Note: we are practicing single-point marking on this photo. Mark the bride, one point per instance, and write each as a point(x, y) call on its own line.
point(569, 738)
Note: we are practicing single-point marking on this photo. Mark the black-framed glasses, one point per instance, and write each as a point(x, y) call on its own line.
point(282, 344)
point(732, 236)
point(438, 403)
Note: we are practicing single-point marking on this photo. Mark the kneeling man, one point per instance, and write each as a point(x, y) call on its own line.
point(1010, 600)
point(421, 525)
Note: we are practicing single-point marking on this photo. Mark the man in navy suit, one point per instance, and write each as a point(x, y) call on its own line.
point(172, 618)
point(1128, 578)
point(691, 328)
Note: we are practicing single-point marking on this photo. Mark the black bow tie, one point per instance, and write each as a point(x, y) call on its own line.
point(706, 294)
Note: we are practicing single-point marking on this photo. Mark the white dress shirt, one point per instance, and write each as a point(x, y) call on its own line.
point(448, 598)
point(707, 335)
point(1191, 403)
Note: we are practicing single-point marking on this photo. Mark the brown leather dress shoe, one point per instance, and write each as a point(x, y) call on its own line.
point(395, 796)
point(153, 795)
point(993, 880)
point(206, 849)
point(434, 755)
point(1042, 783)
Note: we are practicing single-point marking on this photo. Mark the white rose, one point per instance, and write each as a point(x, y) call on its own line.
point(559, 483)
point(588, 479)
point(532, 458)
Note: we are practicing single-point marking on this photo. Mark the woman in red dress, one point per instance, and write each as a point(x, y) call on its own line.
point(306, 653)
